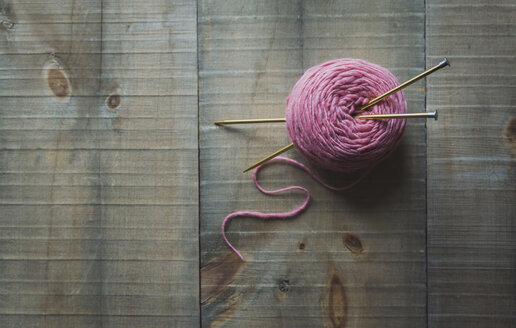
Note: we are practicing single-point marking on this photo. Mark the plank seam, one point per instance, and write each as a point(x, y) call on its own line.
point(198, 165)
point(426, 165)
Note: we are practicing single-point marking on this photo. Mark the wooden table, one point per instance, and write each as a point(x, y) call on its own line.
point(114, 180)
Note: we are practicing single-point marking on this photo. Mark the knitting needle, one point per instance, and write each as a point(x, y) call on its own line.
point(249, 121)
point(403, 115)
point(442, 64)
point(276, 153)
point(365, 117)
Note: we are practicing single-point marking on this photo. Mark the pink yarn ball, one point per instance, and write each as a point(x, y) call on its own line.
point(320, 108)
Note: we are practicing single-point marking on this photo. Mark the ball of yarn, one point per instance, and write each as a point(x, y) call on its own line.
point(321, 109)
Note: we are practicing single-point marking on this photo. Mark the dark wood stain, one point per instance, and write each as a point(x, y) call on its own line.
point(58, 83)
point(353, 243)
point(6, 24)
point(301, 246)
point(336, 303)
point(228, 311)
point(217, 274)
point(509, 134)
point(284, 286)
point(113, 101)
point(7, 16)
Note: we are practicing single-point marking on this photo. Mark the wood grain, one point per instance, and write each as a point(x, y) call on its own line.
point(106, 117)
point(98, 135)
point(471, 165)
point(354, 259)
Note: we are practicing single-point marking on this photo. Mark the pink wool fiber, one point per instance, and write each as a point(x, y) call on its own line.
point(281, 215)
point(321, 124)
point(320, 111)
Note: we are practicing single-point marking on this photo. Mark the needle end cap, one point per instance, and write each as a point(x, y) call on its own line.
point(444, 63)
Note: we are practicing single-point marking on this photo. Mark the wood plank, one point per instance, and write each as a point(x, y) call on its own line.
point(98, 164)
point(471, 165)
point(355, 258)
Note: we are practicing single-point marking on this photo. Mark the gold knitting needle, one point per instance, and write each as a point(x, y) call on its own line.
point(365, 117)
point(376, 100)
point(276, 153)
point(403, 115)
point(249, 121)
point(442, 64)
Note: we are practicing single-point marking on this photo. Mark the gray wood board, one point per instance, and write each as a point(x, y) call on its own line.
point(362, 262)
point(99, 192)
point(471, 165)
point(99, 157)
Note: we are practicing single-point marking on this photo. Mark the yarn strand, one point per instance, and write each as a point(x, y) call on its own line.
point(282, 215)
point(321, 124)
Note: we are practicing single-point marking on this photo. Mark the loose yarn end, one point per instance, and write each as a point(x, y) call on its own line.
point(281, 215)
point(321, 123)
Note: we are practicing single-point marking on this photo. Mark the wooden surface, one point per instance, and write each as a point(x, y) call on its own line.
point(249, 57)
point(114, 181)
point(99, 201)
point(471, 165)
